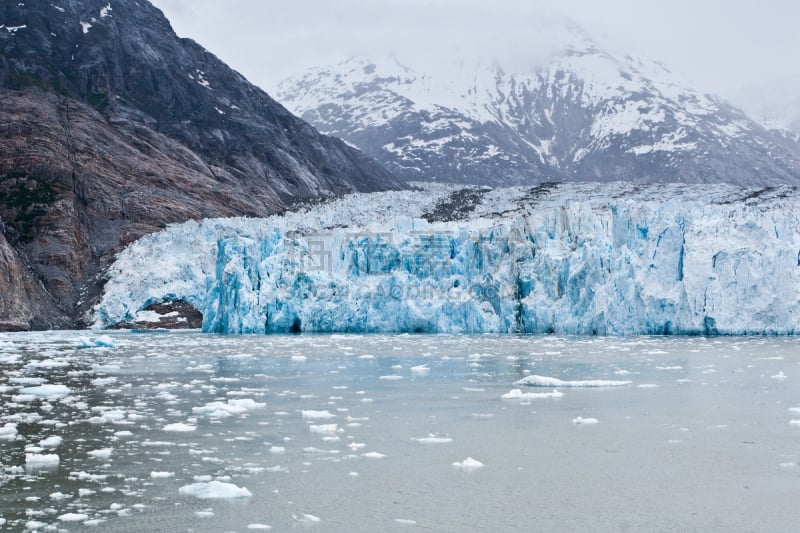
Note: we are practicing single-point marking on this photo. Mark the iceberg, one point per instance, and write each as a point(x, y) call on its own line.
point(546, 381)
point(610, 259)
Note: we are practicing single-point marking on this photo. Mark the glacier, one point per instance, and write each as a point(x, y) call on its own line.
point(584, 259)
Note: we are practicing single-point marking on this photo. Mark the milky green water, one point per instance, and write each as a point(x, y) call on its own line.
point(328, 433)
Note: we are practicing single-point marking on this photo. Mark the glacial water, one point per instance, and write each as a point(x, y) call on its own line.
point(370, 433)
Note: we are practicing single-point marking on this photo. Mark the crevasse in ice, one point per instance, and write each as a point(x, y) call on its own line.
point(577, 259)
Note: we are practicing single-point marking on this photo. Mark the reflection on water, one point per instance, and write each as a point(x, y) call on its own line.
point(184, 431)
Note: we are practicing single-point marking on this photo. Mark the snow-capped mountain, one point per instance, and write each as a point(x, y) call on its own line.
point(585, 114)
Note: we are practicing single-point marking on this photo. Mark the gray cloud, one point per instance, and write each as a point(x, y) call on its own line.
point(742, 51)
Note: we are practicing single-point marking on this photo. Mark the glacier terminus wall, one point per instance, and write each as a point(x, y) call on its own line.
point(582, 259)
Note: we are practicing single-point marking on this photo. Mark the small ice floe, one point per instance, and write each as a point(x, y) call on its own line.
point(8, 432)
point(102, 454)
point(104, 341)
point(36, 460)
point(647, 386)
point(366, 357)
point(585, 421)
point(788, 464)
point(47, 391)
point(307, 518)
point(324, 429)
point(373, 455)
point(102, 382)
point(794, 422)
point(433, 439)
point(317, 415)
point(259, 527)
point(161, 475)
point(73, 517)
point(352, 474)
point(277, 450)
point(405, 521)
point(299, 358)
point(468, 464)
point(517, 394)
point(391, 377)
point(180, 427)
point(205, 513)
point(545, 381)
point(214, 489)
point(794, 410)
point(421, 369)
point(676, 367)
point(225, 409)
point(780, 376)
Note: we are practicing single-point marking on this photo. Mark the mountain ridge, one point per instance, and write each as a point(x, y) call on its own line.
point(112, 127)
point(583, 115)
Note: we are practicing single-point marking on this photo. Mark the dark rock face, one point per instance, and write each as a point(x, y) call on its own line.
point(112, 127)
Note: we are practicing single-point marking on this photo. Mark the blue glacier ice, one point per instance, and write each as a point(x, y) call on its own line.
point(576, 259)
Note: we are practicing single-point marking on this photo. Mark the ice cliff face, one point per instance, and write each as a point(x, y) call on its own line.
point(571, 259)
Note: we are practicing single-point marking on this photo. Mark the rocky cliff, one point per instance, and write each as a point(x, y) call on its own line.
point(112, 127)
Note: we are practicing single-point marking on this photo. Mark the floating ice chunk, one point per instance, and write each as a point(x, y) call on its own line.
point(277, 450)
point(259, 527)
point(102, 453)
point(373, 455)
point(306, 518)
point(317, 415)
point(180, 427)
point(204, 514)
point(366, 357)
point(391, 377)
point(234, 406)
point(647, 386)
point(585, 421)
point(161, 475)
point(299, 358)
point(35, 460)
point(324, 429)
point(405, 521)
point(779, 376)
point(545, 381)
point(352, 474)
point(469, 464)
point(517, 394)
point(8, 432)
point(794, 422)
point(124, 433)
point(421, 369)
point(101, 382)
point(47, 391)
point(433, 439)
point(104, 341)
point(73, 517)
point(676, 367)
point(794, 410)
point(214, 489)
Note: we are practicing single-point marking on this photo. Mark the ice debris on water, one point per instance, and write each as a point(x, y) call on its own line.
point(545, 381)
point(214, 489)
point(468, 464)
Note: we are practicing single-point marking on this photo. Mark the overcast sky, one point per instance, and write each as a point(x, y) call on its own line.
point(746, 51)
